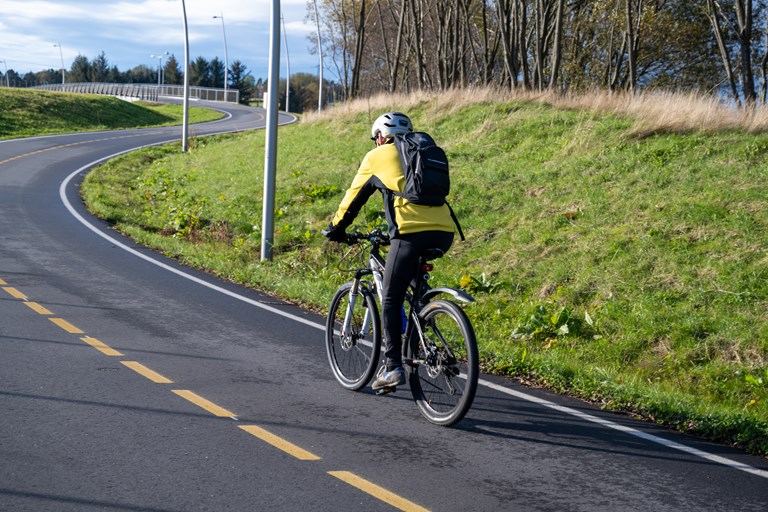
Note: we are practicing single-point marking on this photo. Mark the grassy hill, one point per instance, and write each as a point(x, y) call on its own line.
point(29, 112)
point(620, 258)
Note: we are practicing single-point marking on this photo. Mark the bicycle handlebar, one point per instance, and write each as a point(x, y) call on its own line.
point(376, 237)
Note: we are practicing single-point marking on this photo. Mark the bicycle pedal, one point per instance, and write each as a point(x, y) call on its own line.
point(386, 389)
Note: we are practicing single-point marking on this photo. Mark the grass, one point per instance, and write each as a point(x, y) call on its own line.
point(28, 112)
point(620, 258)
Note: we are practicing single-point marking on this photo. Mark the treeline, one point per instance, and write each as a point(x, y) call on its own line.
point(302, 95)
point(202, 73)
point(682, 45)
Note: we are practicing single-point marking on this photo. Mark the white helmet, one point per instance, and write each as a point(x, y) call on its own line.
point(390, 124)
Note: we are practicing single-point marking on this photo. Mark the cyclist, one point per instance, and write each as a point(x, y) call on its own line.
point(413, 230)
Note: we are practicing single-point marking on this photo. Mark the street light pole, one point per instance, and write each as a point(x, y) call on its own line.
point(63, 73)
point(320, 52)
point(159, 66)
point(185, 121)
point(270, 153)
point(7, 83)
point(288, 76)
point(226, 57)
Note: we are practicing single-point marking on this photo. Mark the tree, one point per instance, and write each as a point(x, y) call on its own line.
point(217, 73)
point(200, 72)
point(99, 68)
point(172, 71)
point(241, 79)
point(80, 70)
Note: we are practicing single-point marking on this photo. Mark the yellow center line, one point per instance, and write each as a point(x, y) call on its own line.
point(101, 346)
point(377, 492)
point(279, 443)
point(13, 292)
point(146, 372)
point(204, 404)
point(2, 282)
point(44, 150)
point(34, 306)
point(66, 326)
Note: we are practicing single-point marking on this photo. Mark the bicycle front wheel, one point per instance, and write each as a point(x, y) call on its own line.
point(353, 352)
point(444, 377)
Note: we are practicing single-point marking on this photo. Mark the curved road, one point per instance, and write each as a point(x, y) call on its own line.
point(130, 383)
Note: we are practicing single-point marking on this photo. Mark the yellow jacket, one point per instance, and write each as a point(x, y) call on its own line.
point(381, 170)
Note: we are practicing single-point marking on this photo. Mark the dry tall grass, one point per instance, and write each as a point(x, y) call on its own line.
point(652, 111)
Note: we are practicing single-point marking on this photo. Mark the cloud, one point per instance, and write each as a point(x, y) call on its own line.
point(129, 31)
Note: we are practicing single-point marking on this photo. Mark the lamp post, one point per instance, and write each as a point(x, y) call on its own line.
point(226, 57)
point(159, 66)
point(288, 63)
point(7, 83)
point(61, 55)
point(320, 52)
point(270, 153)
point(185, 117)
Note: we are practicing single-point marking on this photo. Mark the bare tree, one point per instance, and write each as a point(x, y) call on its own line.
point(714, 12)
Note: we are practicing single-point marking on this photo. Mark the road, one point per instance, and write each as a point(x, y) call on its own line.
point(131, 383)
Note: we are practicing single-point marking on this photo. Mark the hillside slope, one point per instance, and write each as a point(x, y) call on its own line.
point(623, 266)
point(29, 112)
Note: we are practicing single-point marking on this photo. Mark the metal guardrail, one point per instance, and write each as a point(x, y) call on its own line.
point(145, 92)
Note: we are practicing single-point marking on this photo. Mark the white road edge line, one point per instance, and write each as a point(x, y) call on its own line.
point(546, 403)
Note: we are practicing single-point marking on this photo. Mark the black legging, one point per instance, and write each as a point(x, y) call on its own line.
point(402, 265)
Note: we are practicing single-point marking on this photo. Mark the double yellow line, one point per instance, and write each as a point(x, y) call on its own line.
point(205, 404)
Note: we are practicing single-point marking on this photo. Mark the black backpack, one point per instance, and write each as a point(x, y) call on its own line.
point(425, 167)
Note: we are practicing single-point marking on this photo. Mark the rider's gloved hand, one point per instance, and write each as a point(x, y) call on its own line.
point(334, 233)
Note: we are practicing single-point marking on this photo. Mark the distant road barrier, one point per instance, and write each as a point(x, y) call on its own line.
point(145, 92)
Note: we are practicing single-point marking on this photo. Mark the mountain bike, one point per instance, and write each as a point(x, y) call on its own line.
point(439, 346)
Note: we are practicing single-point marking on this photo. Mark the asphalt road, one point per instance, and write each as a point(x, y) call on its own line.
point(130, 383)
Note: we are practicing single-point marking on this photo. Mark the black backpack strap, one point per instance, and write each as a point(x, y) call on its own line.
point(456, 221)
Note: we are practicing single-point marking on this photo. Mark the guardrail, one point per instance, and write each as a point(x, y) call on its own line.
point(145, 92)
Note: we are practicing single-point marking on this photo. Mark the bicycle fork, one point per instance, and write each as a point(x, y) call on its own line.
point(347, 334)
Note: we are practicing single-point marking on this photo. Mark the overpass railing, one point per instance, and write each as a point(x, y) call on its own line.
point(145, 92)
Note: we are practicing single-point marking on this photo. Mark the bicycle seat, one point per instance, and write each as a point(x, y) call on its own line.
point(431, 254)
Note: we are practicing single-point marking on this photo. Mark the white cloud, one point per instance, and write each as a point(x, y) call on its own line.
point(129, 31)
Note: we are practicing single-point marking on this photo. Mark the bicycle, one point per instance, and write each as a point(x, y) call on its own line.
point(439, 348)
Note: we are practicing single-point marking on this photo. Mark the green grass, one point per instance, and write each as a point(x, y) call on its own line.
point(628, 270)
point(28, 112)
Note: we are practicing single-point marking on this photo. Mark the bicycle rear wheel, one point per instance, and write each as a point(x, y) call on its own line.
point(444, 379)
point(353, 355)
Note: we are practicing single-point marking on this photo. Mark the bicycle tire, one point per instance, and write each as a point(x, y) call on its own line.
point(354, 357)
point(444, 381)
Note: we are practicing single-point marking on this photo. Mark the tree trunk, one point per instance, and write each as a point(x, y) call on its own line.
point(714, 12)
point(556, 56)
point(744, 36)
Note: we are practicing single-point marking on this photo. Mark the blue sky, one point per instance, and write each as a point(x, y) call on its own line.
point(129, 31)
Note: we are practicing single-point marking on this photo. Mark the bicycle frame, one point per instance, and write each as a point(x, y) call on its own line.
point(439, 344)
point(417, 299)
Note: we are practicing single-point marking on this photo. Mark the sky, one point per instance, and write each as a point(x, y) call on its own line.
point(130, 32)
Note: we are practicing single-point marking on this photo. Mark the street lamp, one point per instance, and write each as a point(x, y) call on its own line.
point(320, 52)
point(159, 65)
point(63, 73)
point(288, 62)
point(7, 83)
point(226, 57)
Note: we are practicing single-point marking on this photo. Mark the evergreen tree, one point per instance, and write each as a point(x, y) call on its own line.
point(217, 73)
point(241, 79)
point(99, 68)
point(80, 70)
point(200, 73)
point(172, 71)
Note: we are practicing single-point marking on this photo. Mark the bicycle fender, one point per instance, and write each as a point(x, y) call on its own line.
point(457, 294)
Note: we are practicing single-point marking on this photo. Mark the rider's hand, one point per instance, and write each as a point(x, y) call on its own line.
point(334, 233)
